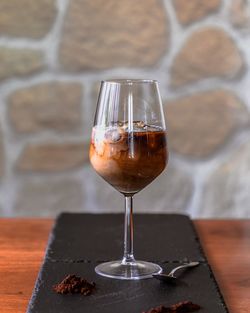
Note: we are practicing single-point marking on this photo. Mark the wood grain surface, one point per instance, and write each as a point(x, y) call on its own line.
point(23, 243)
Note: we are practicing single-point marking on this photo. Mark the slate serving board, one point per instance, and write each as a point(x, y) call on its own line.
point(78, 242)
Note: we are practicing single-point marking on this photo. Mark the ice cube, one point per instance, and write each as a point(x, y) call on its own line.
point(140, 124)
point(113, 135)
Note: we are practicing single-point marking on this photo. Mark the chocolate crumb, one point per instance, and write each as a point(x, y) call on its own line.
point(181, 307)
point(74, 284)
point(159, 309)
point(185, 306)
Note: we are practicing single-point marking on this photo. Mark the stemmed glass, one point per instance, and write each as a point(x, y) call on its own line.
point(129, 150)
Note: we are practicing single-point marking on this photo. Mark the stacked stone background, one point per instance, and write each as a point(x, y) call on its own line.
point(53, 53)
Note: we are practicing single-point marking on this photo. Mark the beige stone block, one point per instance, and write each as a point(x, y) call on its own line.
point(189, 11)
point(48, 197)
point(19, 62)
point(52, 157)
point(105, 34)
point(209, 52)
point(2, 156)
point(26, 18)
point(240, 14)
point(199, 124)
point(170, 192)
point(227, 191)
point(47, 106)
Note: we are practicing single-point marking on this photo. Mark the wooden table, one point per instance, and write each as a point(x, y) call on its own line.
point(23, 241)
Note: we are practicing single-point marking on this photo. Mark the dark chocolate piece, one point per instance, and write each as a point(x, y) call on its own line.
point(180, 307)
point(158, 309)
point(184, 306)
point(74, 284)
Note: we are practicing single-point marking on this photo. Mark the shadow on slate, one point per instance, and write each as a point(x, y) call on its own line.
point(93, 237)
point(113, 296)
point(79, 241)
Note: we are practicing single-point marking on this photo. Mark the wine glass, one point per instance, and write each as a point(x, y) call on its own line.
point(129, 150)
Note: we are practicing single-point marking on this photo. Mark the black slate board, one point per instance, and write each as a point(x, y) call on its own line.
point(90, 237)
point(79, 241)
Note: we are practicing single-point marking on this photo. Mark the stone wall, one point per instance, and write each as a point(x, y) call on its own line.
point(54, 53)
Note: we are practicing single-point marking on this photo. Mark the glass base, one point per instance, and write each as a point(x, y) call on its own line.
point(129, 271)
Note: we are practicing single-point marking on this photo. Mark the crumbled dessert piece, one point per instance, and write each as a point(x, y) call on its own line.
point(159, 309)
point(74, 284)
point(184, 306)
point(181, 307)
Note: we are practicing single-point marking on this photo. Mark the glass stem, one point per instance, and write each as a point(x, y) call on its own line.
point(128, 231)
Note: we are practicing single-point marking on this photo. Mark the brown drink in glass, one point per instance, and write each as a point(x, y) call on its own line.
point(129, 161)
point(129, 150)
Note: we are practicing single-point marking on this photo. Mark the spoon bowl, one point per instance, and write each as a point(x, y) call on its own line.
point(170, 278)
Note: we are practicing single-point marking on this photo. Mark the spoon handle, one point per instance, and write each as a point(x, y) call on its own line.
point(191, 264)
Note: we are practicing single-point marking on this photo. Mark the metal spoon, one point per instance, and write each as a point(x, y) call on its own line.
point(170, 277)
